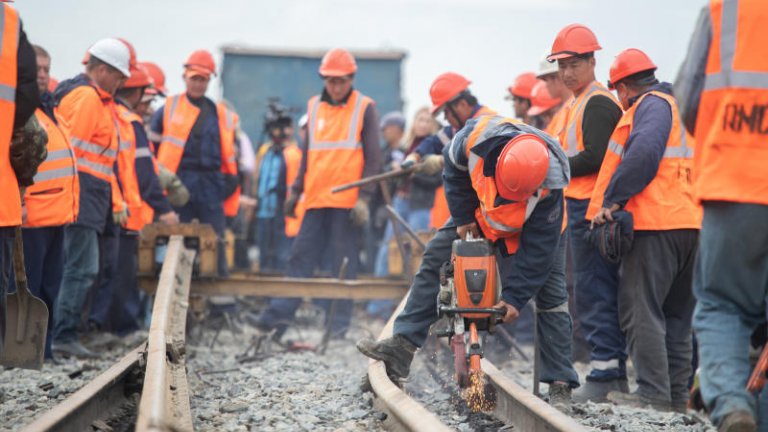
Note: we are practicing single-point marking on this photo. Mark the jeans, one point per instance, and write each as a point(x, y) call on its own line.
point(326, 237)
point(6, 265)
point(553, 318)
point(418, 220)
point(44, 262)
point(731, 285)
point(272, 243)
point(655, 309)
point(109, 264)
point(80, 270)
point(596, 283)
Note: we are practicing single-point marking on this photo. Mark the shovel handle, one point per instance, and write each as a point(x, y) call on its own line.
point(22, 290)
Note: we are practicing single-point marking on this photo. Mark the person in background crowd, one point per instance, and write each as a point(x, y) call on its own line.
point(520, 93)
point(413, 199)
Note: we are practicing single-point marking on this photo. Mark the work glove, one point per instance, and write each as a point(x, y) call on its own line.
point(120, 217)
point(432, 165)
point(28, 150)
point(410, 160)
point(289, 207)
point(178, 194)
point(360, 213)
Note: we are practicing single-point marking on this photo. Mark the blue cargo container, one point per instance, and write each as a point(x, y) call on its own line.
point(250, 77)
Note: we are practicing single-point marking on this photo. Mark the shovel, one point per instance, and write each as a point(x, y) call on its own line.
point(26, 319)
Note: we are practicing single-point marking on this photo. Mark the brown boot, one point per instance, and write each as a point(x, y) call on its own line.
point(738, 421)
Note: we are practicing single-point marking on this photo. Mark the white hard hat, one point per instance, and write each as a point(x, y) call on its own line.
point(114, 53)
point(545, 67)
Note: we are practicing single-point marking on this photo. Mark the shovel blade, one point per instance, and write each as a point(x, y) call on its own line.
point(28, 352)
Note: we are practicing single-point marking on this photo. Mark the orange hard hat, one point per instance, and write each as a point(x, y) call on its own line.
point(200, 62)
point(337, 62)
point(52, 83)
point(629, 62)
point(523, 85)
point(139, 77)
point(158, 78)
point(446, 87)
point(541, 100)
point(522, 167)
point(573, 40)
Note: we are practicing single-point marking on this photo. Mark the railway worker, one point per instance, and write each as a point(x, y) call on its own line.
point(50, 203)
point(117, 308)
point(86, 105)
point(647, 172)
point(342, 147)
point(503, 180)
point(592, 117)
point(520, 94)
point(18, 75)
point(550, 74)
point(723, 96)
point(544, 106)
point(157, 89)
point(197, 144)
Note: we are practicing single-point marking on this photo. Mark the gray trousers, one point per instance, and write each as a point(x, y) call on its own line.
point(655, 311)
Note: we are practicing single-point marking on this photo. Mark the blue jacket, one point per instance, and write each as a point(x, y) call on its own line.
point(434, 144)
point(528, 269)
point(644, 148)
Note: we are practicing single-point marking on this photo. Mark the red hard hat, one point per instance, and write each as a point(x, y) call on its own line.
point(629, 62)
point(446, 87)
point(541, 100)
point(158, 78)
point(572, 40)
point(337, 62)
point(522, 167)
point(139, 78)
point(201, 62)
point(523, 85)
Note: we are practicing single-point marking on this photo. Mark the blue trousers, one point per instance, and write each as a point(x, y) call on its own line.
point(109, 247)
point(731, 286)
point(418, 220)
point(272, 243)
point(554, 321)
point(44, 262)
point(81, 267)
point(126, 302)
point(6, 265)
point(326, 237)
point(596, 284)
point(208, 213)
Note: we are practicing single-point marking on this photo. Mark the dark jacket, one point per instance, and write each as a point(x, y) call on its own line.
point(27, 93)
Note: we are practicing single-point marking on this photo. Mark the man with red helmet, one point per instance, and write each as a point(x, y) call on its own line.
point(520, 94)
point(342, 146)
point(503, 181)
point(592, 115)
point(197, 144)
point(647, 172)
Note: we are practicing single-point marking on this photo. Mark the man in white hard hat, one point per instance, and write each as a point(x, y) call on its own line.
point(86, 104)
point(548, 72)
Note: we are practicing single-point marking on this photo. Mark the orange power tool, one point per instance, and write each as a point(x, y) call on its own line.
point(469, 288)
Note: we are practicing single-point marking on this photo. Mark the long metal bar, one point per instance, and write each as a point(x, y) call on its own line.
point(377, 178)
point(268, 286)
point(159, 409)
point(93, 401)
point(411, 233)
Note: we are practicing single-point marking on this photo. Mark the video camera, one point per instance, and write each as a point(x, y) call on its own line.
point(277, 115)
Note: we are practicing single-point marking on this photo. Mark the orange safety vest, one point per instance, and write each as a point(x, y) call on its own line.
point(54, 198)
point(232, 203)
point(335, 155)
point(667, 202)
point(503, 222)
point(292, 155)
point(126, 167)
point(146, 211)
point(440, 213)
point(732, 125)
point(10, 203)
point(179, 117)
point(559, 120)
point(572, 138)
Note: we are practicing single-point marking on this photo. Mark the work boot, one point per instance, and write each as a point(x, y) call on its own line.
point(596, 391)
point(73, 349)
point(560, 396)
point(396, 353)
point(738, 421)
point(635, 400)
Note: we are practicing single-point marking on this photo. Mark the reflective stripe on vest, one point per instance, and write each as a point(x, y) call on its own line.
point(666, 203)
point(571, 143)
point(169, 138)
point(10, 200)
point(350, 143)
point(54, 156)
point(143, 152)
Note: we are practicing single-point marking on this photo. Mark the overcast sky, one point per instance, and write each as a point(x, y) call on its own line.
point(489, 41)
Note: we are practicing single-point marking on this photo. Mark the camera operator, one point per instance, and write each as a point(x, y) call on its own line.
point(277, 165)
